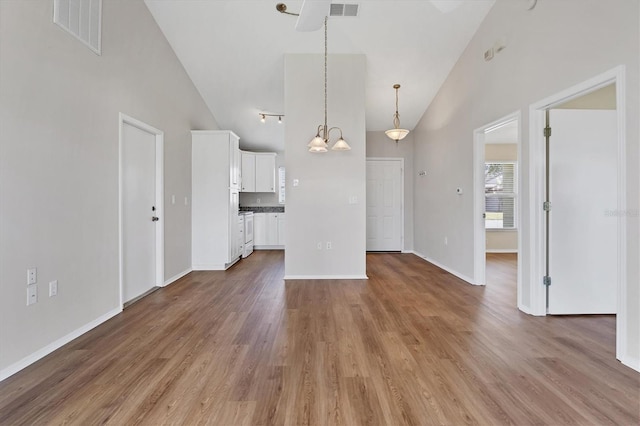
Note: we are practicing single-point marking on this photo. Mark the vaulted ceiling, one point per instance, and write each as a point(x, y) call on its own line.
point(233, 50)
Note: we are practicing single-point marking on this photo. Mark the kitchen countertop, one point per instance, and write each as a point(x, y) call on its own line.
point(262, 209)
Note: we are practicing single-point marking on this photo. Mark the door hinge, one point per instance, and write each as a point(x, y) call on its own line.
point(546, 280)
point(547, 132)
point(546, 206)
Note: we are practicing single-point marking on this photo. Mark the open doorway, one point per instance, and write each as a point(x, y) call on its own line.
point(497, 205)
point(597, 206)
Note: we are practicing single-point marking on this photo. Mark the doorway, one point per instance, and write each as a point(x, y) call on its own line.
point(582, 243)
point(385, 201)
point(496, 196)
point(543, 222)
point(141, 209)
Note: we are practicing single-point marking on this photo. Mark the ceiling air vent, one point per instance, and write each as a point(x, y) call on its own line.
point(341, 9)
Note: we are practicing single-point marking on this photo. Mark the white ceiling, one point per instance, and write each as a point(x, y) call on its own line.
point(233, 50)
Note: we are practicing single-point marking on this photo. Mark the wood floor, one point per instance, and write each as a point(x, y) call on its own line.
point(412, 345)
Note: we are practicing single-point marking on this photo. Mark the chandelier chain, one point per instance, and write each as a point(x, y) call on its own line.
point(396, 116)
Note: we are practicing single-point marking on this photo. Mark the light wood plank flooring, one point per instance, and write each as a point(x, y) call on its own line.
point(412, 345)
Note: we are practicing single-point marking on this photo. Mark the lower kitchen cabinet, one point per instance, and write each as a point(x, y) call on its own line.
point(268, 230)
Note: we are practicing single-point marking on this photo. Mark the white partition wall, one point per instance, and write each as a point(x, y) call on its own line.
point(326, 206)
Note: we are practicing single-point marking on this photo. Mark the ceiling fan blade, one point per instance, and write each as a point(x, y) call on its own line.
point(312, 15)
point(446, 6)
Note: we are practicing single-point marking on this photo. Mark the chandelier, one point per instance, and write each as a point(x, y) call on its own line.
point(320, 143)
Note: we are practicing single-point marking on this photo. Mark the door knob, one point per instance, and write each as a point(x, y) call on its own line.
point(155, 219)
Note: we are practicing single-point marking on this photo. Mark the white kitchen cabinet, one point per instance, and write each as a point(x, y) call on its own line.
point(248, 172)
point(258, 171)
point(215, 199)
point(259, 229)
point(266, 230)
point(265, 172)
point(282, 226)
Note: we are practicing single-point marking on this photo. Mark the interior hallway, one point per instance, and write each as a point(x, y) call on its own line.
point(412, 345)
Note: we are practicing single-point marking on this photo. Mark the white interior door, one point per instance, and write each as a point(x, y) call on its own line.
point(384, 205)
point(138, 211)
point(583, 188)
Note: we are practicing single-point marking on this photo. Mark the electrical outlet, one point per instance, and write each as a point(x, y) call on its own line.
point(173, 199)
point(53, 288)
point(32, 276)
point(319, 245)
point(446, 241)
point(329, 246)
point(32, 294)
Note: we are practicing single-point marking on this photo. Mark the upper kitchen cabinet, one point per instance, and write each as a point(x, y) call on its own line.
point(258, 172)
point(248, 169)
point(229, 146)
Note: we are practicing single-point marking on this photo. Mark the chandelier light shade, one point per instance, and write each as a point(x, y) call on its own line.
point(320, 143)
point(396, 133)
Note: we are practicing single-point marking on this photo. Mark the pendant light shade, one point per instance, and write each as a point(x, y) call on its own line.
point(317, 144)
point(396, 133)
point(341, 145)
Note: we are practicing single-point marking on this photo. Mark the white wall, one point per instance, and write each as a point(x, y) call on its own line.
point(318, 210)
point(379, 145)
point(266, 198)
point(59, 105)
point(549, 49)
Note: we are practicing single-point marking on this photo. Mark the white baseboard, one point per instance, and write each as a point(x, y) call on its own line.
point(501, 251)
point(213, 266)
point(41, 353)
point(268, 247)
point(326, 277)
point(177, 277)
point(631, 362)
point(449, 270)
point(208, 267)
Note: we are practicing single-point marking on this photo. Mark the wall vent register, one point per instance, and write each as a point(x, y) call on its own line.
point(82, 19)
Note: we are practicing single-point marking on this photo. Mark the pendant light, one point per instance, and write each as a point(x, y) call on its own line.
point(320, 143)
point(396, 133)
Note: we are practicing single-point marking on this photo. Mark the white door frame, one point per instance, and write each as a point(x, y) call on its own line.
point(479, 230)
point(401, 160)
point(159, 198)
point(536, 193)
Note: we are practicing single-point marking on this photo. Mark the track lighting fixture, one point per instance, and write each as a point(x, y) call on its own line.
point(264, 115)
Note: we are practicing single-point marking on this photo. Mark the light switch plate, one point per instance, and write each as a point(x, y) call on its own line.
point(32, 276)
point(32, 294)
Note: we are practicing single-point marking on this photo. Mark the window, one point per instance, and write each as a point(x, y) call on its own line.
point(500, 188)
point(281, 184)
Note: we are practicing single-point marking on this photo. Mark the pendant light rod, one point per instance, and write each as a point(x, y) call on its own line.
point(396, 116)
point(326, 136)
